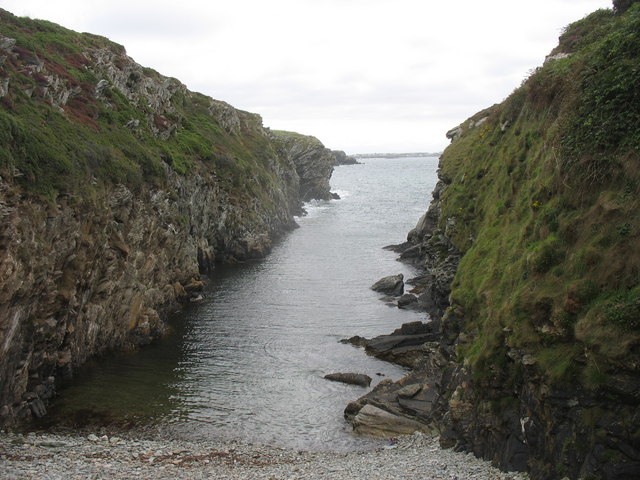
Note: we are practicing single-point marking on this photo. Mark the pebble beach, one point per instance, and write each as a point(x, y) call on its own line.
point(47, 456)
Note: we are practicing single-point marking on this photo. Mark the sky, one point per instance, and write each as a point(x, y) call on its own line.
point(363, 76)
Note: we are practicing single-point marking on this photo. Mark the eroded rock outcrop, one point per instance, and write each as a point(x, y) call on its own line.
point(314, 164)
point(409, 404)
point(343, 159)
point(118, 189)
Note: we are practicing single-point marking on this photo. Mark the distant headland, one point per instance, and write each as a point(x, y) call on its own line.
point(396, 155)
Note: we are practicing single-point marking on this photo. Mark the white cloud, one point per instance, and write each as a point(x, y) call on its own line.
point(361, 75)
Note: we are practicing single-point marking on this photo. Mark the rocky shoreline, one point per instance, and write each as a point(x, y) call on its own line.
point(101, 456)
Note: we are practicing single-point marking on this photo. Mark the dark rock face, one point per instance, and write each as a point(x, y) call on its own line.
point(429, 248)
point(548, 430)
point(392, 285)
point(350, 378)
point(91, 284)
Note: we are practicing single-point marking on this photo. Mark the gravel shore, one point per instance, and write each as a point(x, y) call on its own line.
point(56, 456)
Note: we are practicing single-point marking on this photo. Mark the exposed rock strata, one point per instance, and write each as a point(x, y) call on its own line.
point(413, 398)
point(376, 422)
point(314, 164)
point(344, 159)
point(84, 273)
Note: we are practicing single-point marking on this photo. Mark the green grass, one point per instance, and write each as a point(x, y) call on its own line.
point(546, 210)
point(109, 139)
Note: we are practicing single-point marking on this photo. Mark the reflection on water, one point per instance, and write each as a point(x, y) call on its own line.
point(247, 363)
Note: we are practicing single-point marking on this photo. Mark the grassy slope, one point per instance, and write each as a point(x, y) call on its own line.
point(89, 144)
point(545, 199)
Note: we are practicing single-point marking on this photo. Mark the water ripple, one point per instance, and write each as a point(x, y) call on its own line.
point(249, 361)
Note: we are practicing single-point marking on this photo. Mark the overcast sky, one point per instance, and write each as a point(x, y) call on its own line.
point(361, 75)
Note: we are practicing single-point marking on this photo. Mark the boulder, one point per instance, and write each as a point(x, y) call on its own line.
point(407, 300)
point(350, 378)
point(392, 285)
point(375, 422)
point(409, 391)
point(194, 286)
point(38, 408)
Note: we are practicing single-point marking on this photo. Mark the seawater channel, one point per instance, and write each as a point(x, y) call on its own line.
point(247, 363)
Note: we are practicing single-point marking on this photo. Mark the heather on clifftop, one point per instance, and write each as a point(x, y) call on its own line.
point(76, 111)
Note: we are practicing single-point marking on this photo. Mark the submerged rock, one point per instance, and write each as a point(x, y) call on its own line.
point(392, 285)
point(350, 378)
point(356, 341)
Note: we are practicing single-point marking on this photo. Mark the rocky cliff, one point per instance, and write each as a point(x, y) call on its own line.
point(343, 159)
point(529, 251)
point(314, 163)
point(118, 188)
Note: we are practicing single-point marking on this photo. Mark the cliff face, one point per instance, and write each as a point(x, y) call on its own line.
point(314, 163)
point(118, 187)
point(529, 250)
point(344, 159)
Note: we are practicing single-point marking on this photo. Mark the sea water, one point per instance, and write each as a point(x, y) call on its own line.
point(247, 363)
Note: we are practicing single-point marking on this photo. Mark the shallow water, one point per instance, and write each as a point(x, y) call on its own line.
point(248, 362)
